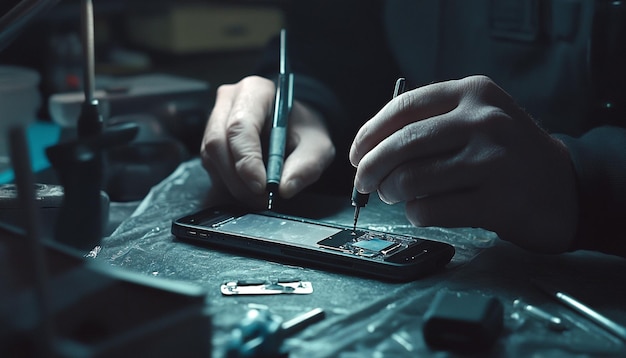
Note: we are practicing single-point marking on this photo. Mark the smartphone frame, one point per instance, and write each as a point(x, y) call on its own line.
point(419, 260)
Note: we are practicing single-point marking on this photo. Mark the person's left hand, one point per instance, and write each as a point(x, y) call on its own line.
point(463, 154)
point(232, 148)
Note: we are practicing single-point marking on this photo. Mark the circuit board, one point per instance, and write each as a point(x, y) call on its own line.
point(374, 245)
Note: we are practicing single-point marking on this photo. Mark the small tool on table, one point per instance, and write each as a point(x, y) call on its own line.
point(278, 135)
point(261, 334)
point(359, 200)
point(596, 317)
point(553, 322)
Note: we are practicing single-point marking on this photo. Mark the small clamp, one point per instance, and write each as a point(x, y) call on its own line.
point(266, 287)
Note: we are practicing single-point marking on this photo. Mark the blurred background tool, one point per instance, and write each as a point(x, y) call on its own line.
point(552, 322)
point(80, 162)
point(53, 302)
point(262, 333)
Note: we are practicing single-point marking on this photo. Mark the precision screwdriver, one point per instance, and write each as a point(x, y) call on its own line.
point(278, 135)
point(359, 200)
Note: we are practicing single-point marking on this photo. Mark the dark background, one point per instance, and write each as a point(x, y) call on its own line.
point(35, 46)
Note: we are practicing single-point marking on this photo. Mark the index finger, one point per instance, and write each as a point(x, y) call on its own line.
point(248, 114)
point(412, 106)
point(231, 143)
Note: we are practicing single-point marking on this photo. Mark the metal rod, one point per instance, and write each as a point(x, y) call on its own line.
point(20, 159)
point(88, 50)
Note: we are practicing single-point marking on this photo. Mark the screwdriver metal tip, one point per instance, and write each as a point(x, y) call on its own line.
point(270, 200)
point(357, 209)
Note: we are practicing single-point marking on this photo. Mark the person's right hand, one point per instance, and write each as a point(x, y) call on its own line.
point(233, 143)
point(463, 153)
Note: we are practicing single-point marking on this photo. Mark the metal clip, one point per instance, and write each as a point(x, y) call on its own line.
point(266, 287)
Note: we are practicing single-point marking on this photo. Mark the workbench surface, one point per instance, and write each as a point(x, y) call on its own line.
point(369, 317)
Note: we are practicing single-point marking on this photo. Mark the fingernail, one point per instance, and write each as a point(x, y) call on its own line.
point(257, 187)
point(362, 188)
point(291, 187)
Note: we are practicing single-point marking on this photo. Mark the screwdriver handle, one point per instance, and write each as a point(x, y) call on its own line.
point(359, 199)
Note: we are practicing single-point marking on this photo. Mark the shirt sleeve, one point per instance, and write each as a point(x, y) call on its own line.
point(599, 160)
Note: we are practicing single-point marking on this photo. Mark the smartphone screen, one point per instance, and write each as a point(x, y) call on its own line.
point(274, 228)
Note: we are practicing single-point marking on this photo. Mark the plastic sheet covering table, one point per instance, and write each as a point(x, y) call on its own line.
point(367, 317)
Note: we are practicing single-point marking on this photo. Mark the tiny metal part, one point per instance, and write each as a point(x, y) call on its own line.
point(278, 287)
point(586, 311)
point(359, 200)
point(391, 249)
point(270, 200)
point(218, 224)
point(340, 239)
point(552, 322)
point(399, 87)
point(248, 282)
point(341, 248)
point(365, 253)
point(356, 217)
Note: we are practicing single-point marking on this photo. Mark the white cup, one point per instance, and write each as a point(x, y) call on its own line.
point(19, 101)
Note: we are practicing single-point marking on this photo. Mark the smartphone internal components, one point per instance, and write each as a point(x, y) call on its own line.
point(367, 244)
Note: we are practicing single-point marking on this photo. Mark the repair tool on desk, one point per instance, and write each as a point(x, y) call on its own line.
point(552, 322)
point(359, 200)
point(266, 287)
point(262, 333)
point(56, 304)
point(278, 135)
point(50, 292)
point(80, 162)
point(604, 322)
point(463, 322)
point(90, 121)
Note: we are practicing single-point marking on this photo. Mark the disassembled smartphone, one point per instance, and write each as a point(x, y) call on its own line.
point(292, 239)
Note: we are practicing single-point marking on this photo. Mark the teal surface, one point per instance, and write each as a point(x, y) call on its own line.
point(39, 135)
